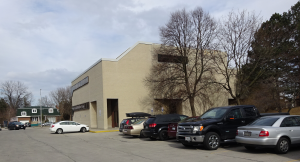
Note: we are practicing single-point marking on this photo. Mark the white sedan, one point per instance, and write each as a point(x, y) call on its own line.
point(68, 126)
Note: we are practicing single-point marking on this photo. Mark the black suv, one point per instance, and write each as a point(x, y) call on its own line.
point(157, 126)
point(135, 116)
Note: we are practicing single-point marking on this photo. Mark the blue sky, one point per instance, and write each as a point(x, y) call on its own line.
point(47, 43)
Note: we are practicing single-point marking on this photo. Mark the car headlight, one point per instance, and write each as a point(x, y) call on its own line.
point(197, 128)
point(17, 125)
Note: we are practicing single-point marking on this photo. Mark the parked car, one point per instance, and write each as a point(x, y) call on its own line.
point(278, 132)
point(15, 125)
point(216, 125)
point(135, 116)
point(68, 126)
point(135, 129)
point(27, 124)
point(172, 127)
point(0, 128)
point(157, 126)
point(46, 124)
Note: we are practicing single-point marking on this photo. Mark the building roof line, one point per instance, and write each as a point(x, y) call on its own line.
point(107, 59)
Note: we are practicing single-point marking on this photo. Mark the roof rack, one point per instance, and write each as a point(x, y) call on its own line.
point(137, 114)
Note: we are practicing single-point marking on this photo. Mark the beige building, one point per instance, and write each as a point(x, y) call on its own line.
point(108, 89)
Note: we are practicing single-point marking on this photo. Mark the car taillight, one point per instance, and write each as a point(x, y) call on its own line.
point(127, 122)
point(130, 127)
point(263, 134)
point(52, 126)
point(237, 132)
point(152, 125)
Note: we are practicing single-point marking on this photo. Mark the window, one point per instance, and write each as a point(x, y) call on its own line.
point(172, 59)
point(23, 113)
point(236, 113)
point(250, 112)
point(266, 121)
point(64, 123)
point(34, 110)
point(289, 122)
point(50, 110)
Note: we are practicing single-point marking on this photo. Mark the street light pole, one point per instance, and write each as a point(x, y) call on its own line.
point(41, 106)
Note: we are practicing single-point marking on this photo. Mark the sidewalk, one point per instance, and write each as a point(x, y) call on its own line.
point(98, 130)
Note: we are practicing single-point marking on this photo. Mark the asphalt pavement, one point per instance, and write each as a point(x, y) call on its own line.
point(38, 144)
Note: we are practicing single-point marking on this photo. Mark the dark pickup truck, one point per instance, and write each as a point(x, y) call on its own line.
point(216, 125)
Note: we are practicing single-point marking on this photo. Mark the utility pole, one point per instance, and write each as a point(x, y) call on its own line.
point(41, 106)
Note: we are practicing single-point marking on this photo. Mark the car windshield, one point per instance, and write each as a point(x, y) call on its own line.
point(264, 121)
point(139, 121)
point(215, 113)
point(150, 120)
point(18, 123)
point(188, 119)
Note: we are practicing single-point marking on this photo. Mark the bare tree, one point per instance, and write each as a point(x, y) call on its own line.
point(46, 101)
point(184, 68)
point(236, 33)
point(16, 94)
point(62, 98)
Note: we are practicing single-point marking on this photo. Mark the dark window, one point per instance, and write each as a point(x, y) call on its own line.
point(236, 113)
point(172, 59)
point(150, 120)
point(289, 122)
point(264, 121)
point(64, 123)
point(250, 112)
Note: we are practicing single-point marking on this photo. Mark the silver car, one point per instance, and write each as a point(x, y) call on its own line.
point(278, 132)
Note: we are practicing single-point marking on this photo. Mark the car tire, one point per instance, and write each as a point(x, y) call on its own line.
point(141, 134)
point(152, 138)
point(250, 147)
point(163, 135)
point(283, 146)
point(83, 130)
point(212, 141)
point(59, 131)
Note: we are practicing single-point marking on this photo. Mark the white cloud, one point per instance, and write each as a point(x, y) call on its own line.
point(48, 43)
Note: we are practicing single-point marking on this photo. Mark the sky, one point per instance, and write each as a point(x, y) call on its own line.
point(47, 43)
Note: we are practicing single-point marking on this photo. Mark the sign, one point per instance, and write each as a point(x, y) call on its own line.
point(80, 84)
point(162, 109)
point(83, 106)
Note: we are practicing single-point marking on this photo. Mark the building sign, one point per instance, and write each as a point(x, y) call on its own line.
point(83, 106)
point(80, 84)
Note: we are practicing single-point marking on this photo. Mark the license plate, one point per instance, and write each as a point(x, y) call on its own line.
point(146, 127)
point(187, 138)
point(173, 128)
point(125, 131)
point(247, 133)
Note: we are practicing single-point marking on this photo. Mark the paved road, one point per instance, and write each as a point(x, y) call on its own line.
point(38, 144)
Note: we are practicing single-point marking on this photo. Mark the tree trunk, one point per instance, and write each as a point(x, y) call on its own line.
point(238, 101)
point(192, 104)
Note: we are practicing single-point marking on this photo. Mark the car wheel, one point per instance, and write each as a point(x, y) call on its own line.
point(250, 147)
point(152, 138)
point(59, 131)
point(83, 130)
point(141, 134)
point(211, 141)
point(283, 146)
point(163, 135)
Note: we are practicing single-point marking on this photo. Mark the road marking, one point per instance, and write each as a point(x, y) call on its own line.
point(103, 131)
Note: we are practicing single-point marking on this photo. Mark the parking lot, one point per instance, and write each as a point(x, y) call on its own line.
point(38, 144)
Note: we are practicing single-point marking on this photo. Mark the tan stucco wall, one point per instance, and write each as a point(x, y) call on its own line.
point(122, 79)
point(82, 116)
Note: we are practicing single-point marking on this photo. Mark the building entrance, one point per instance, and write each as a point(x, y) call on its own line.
point(112, 113)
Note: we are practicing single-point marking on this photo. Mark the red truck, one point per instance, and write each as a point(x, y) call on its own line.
point(172, 127)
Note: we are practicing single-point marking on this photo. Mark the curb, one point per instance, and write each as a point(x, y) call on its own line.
point(103, 131)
